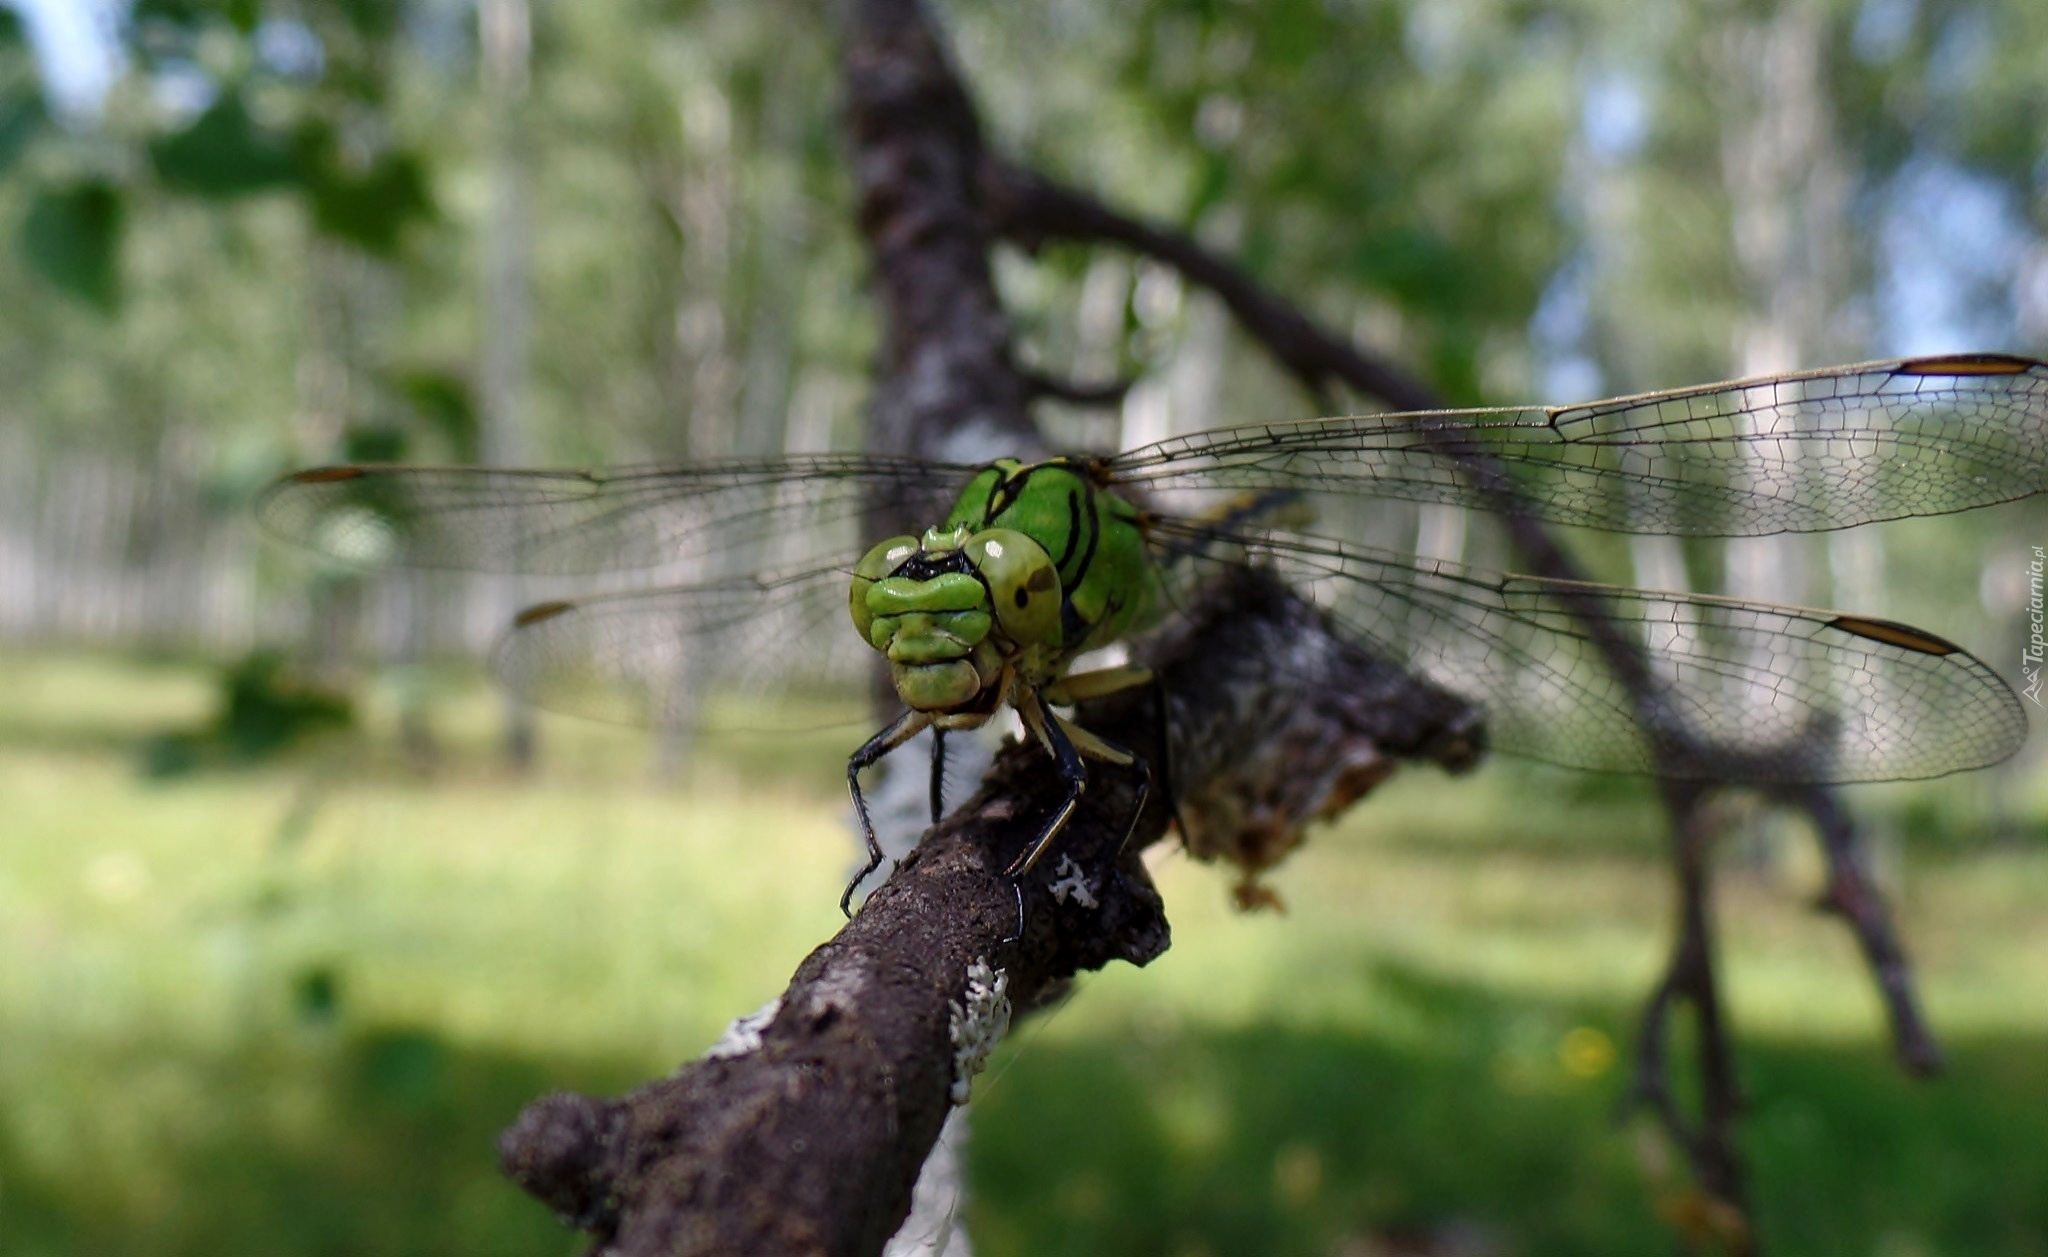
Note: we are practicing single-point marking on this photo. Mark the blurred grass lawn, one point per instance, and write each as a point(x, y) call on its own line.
point(286, 1010)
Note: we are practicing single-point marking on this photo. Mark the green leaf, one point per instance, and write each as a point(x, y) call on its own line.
point(371, 207)
point(72, 237)
point(223, 154)
point(443, 399)
point(373, 444)
point(375, 20)
point(1417, 266)
point(20, 119)
point(21, 93)
point(241, 14)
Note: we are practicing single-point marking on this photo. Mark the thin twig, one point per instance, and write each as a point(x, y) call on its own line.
point(1029, 209)
point(1074, 392)
point(1852, 895)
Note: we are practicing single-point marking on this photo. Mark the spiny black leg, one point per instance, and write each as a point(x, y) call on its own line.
point(1144, 767)
point(1072, 771)
point(899, 731)
point(1163, 735)
point(938, 775)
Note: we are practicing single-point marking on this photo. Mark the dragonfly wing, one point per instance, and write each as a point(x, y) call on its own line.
point(1726, 689)
point(685, 657)
point(728, 518)
point(1805, 452)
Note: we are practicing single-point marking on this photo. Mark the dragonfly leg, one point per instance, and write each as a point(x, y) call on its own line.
point(1102, 748)
point(1052, 734)
point(900, 730)
point(1081, 686)
point(938, 774)
point(1086, 685)
point(1068, 742)
point(1144, 796)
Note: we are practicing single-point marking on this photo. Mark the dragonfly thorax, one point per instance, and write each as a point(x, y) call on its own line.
point(960, 614)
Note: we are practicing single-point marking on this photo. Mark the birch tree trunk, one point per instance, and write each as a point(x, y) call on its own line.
point(505, 35)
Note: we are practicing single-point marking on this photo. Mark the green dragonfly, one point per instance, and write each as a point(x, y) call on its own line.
point(1031, 565)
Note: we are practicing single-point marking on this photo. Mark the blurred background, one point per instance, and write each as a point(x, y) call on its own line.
point(290, 926)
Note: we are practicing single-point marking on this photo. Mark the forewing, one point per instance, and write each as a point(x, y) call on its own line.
point(1792, 453)
point(760, 654)
point(718, 520)
point(1728, 690)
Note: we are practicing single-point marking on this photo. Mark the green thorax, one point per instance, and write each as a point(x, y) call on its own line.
point(1091, 534)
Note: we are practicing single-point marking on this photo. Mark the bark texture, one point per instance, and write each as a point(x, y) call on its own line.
point(804, 1132)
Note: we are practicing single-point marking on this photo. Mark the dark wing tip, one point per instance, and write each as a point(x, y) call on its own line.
point(1892, 633)
point(325, 475)
point(541, 611)
point(1968, 364)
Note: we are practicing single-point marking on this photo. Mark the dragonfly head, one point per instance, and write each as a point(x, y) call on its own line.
point(953, 609)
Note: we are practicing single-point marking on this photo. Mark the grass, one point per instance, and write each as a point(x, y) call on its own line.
point(285, 1010)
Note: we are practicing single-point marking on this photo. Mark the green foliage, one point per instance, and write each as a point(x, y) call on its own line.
point(1286, 1140)
point(21, 102)
point(21, 116)
point(71, 235)
point(220, 1042)
point(265, 710)
point(379, 444)
point(223, 154)
point(241, 15)
point(445, 406)
point(372, 205)
point(319, 142)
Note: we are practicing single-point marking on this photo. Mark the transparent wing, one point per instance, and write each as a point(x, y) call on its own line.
point(1730, 690)
point(728, 517)
point(1790, 453)
point(775, 653)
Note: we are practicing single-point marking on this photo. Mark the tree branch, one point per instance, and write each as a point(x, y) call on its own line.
point(948, 386)
point(1030, 209)
point(1851, 895)
point(1074, 392)
point(804, 1134)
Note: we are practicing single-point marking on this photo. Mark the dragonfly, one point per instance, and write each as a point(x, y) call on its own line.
point(1031, 565)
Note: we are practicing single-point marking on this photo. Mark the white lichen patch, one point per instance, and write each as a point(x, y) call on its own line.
point(839, 991)
point(978, 1025)
point(744, 1034)
point(1069, 882)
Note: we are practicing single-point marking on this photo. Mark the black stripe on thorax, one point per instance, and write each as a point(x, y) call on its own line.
point(1072, 628)
point(1093, 519)
point(1000, 496)
point(1073, 538)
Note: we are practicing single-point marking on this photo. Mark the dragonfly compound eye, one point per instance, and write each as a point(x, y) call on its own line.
point(873, 566)
point(1023, 586)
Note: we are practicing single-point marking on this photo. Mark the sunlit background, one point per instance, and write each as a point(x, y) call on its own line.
point(287, 932)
